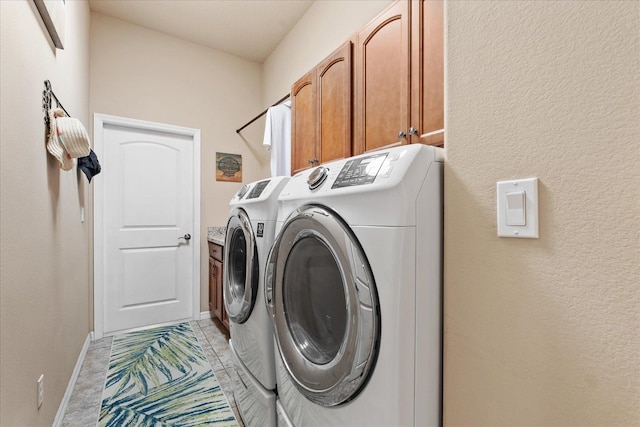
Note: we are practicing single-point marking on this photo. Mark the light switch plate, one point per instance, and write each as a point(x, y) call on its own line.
point(530, 188)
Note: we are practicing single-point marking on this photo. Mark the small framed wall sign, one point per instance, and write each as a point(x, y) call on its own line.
point(52, 13)
point(228, 167)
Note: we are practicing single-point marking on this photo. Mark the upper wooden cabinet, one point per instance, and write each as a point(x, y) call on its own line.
point(427, 72)
point(382, 69)
point(398, 89)
point(399, 77)
point(303, 122)
point(334, 105)
point(321, 112)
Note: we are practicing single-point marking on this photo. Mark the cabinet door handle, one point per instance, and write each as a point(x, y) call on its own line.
point(313, 161)
point(401, 134)
point(413, 131)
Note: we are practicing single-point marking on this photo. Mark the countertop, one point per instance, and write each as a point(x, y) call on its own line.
point(216, 235)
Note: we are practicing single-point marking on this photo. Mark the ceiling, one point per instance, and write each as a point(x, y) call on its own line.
point(250, 29)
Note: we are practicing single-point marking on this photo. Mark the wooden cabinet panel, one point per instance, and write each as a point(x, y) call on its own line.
point(321, 112)
point(216, 275)
point(215, 251)
point(427, 73)
point(217, 301)
point(382, 80)
point(221, 312)
point(392, 94)
point(303, 122)
point(334, 105)
point(213, 294)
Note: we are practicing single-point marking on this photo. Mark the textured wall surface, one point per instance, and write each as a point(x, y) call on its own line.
point(543, 332)
point(44, 248)
point(143, 74)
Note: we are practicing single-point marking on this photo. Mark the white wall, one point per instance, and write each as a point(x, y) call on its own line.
point(44, 249)
point(543, 332)
point(147, 75)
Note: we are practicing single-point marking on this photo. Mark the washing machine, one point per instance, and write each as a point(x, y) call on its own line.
point(353, 285)
point(249, 236)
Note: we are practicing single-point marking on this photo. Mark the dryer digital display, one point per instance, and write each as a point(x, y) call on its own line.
point(360, 171)
point(257, 189)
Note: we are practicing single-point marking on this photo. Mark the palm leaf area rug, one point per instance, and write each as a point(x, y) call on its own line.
point(161, 377)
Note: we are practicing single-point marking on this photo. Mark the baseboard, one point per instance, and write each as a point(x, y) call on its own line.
point(72, 382)
point(204, 315)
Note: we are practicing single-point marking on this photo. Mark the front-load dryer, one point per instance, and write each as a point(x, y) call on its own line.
point(249, 236)
point(353, 286)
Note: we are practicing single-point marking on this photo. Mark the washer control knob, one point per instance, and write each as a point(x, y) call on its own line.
point(317, 177)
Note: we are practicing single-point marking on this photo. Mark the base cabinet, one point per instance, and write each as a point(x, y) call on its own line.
point(216, 301)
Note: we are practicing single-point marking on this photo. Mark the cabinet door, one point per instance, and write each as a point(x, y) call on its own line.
point(217, 280)
point(212, 288)
point(334, 105)
point(303, 123)
point(214, 295)
point(427, 74)
point(382, 80)
point(223, 312)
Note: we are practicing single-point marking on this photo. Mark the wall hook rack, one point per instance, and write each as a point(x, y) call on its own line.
point(47, 94)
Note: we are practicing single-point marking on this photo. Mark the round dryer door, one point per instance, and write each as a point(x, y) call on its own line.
point(323, 301)
point(240, 267)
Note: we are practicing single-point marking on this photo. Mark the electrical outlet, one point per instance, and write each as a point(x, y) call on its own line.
point(40, 390)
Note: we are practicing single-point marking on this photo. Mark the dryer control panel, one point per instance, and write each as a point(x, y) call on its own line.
point(257, 189)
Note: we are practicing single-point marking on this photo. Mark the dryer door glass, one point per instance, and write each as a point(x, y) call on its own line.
point(325, 306)
point(240, 281)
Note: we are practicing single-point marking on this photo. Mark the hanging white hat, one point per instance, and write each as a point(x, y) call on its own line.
point(73, 136)
point(54, 146)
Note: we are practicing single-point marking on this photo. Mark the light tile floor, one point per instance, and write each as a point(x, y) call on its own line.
point(84, 406)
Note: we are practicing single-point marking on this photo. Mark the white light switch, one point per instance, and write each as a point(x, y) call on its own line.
point(518, 208)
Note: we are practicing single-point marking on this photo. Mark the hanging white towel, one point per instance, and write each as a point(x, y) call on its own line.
point(277, 138)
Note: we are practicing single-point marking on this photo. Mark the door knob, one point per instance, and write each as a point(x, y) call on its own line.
point(186, 237)
point(413, 131)
point(401, 134)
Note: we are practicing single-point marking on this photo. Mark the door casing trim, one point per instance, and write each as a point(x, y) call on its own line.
point(99, 123)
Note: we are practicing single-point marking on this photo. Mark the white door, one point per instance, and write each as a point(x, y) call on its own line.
point(146, 208)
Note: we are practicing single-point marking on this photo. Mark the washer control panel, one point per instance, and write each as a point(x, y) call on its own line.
point(360, 171)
